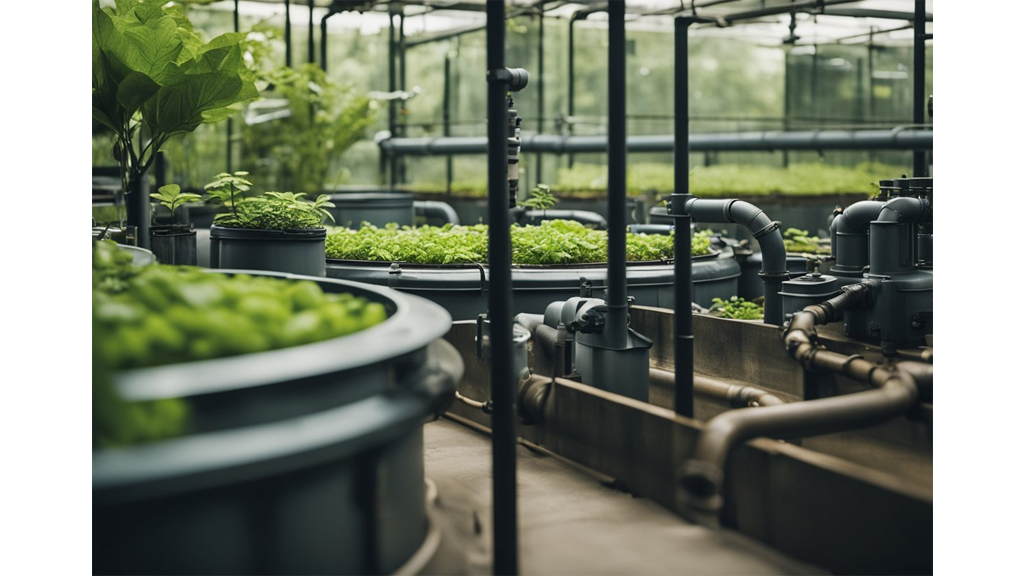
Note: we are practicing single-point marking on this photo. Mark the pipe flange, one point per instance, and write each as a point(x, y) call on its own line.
point(767, 229)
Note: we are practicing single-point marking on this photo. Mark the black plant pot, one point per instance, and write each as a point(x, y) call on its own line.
point(294, 251)
point(174, 244)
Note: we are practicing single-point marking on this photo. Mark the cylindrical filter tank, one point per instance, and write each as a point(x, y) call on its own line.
point(808, 289)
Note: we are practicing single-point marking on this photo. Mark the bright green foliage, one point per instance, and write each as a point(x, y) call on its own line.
point(149, 68)
point(700, 242)
point(278, 211)
point(720, 181)
point(224, 187)
point(324, 119)
point(170, 196)
point(797, 240)
point(554, 242)
point(156, 315)
point(737, 308)
point(733, 180)
point(541, 198)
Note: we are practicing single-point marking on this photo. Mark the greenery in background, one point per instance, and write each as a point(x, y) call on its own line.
point(322, 120)
point(170, 197)
point(152, 72)
point(156, 315)
point(541, 198)
point(797, 240)
point(553, 242)
point(737, 308)
point(591, 180)
point(278, 211)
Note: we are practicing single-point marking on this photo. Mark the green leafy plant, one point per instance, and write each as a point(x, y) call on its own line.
point(797, 240)
point(155, 315)
point(224, 187)
point(151, 73)
point(278, 211)
point(554, 242)
point(737, 308)
point(323, 119)
point(541, 198)
point(171, 197)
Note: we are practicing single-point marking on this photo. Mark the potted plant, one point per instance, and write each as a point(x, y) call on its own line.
point(279, 231)
point(174, 243)
point(153, 78)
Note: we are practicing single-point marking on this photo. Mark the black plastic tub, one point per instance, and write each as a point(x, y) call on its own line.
point(304, 460)
point(291, 251)
point(462, 289)
point(174, 244)
point(377, 208)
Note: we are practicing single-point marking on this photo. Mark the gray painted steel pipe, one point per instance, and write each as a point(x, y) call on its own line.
point(896, 139)
point(766, 231)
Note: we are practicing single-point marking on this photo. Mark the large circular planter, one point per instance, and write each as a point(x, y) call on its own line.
point(292, 251)
point(377, 208)
point(462, 289)
point(301, 460)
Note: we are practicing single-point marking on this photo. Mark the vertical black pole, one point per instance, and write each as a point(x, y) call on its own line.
point(616, 323)
point(288, 33)
point(787, 93)
point(310, 47)
point(231, 121)
point(503, 393)
point(572, 79)
point(392, 86)
point(920, 168)
point(871, 84)
point(446, 116)
point(683, 266)
point(401, 86)
point(323, 40)
point(539, 157)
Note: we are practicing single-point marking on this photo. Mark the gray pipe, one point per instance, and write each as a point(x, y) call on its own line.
point(773, 266)
point(703, 475)
point(903, 210)
point(736, 395)
point(663, 229)
point(895, 139)
point(433, 208)
point(582, 216)
point(849, 231)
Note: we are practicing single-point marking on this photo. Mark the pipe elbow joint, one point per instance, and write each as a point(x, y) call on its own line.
point(857, 218)
point(905, 209)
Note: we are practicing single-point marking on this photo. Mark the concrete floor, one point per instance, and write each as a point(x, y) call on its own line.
point(571, 523)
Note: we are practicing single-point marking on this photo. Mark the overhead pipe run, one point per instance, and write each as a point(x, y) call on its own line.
point(766, 231)
point(762, 141)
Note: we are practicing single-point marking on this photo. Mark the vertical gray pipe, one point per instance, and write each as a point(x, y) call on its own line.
point(571, 96)
point(288, 33)
point(310, 48)
point(499, 252)
point(616, 322)
point(539, 157)
point(683, 266)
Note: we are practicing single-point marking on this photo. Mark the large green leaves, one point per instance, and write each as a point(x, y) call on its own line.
point(148, 62)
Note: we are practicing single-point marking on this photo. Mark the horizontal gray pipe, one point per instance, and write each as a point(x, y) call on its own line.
point(896, 139)
point(433, 208)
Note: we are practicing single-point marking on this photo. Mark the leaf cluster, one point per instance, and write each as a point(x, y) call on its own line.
point(554, 242)
point(797, 240)
point(224, 186)
point(323, 119)
point(737, 308)
point(171, 197)
point(150, 68)
point(541, 198)
point(157, 315)
point(278, 211)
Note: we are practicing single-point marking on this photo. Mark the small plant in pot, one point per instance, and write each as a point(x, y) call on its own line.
point(279, 231)
point(174, 243)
